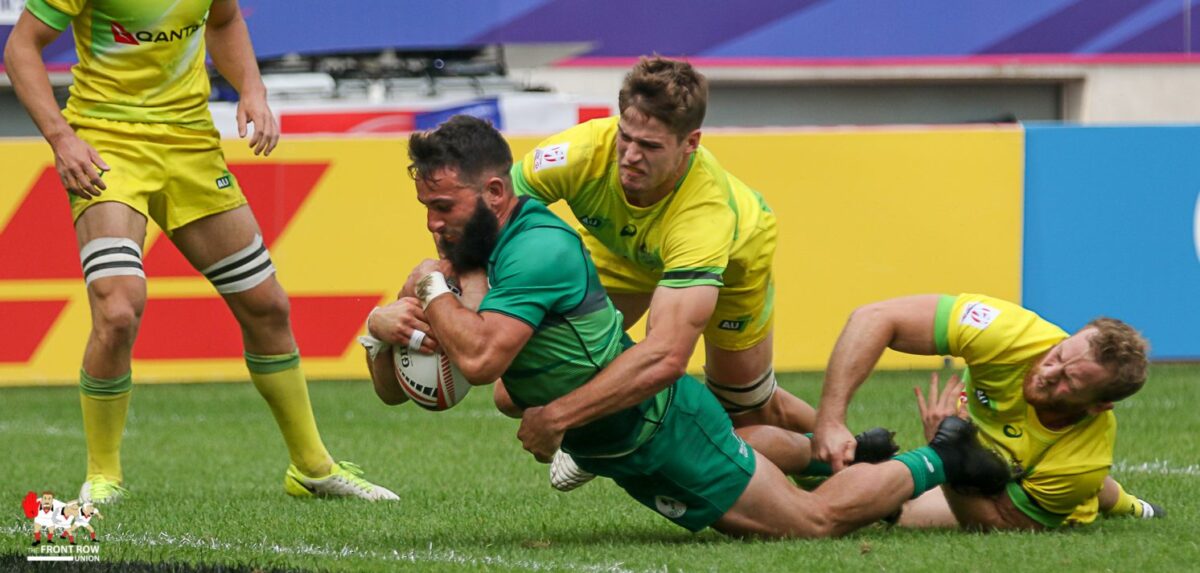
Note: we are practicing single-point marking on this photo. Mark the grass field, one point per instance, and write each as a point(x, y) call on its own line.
point(204, 465)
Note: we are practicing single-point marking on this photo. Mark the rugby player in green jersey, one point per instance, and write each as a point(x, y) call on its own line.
point(546, 326)
point(1041, 398)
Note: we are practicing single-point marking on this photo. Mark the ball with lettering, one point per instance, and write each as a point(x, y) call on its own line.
point(430, 380)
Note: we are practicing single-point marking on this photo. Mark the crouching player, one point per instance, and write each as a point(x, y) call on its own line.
point(84, 519)
point(547, 327)
point(1042, 398)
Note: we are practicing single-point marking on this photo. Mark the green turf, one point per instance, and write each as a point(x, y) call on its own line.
point(204, 465)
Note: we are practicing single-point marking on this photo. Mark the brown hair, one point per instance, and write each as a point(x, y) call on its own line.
point(670, 91)
point(1121, 349)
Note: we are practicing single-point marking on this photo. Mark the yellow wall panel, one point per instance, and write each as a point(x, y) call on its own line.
point(864, 215)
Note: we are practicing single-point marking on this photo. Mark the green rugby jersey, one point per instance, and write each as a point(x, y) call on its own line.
point(140, 61)
point(541, 274)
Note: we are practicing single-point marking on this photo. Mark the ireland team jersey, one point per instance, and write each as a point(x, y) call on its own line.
point(1001, 342)
point(701, 234)
point(541, 275)
point(140, 61)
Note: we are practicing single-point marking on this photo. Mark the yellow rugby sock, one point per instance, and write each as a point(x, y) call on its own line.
point(1126, 504)
point(279, 380)
point(105, 403)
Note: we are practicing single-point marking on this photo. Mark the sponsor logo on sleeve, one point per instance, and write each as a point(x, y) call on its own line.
point(978, 315)
point(550, 157)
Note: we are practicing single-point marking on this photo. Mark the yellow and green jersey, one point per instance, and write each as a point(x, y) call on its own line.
point(701, 234)
point(1001, 342)
point(140, 61)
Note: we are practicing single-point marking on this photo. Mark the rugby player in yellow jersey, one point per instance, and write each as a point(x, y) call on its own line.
point(672, 232)
point(137, 142)
point(1041, 398)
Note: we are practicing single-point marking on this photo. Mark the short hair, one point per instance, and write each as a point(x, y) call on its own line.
point(464, 143)
point(1121, 349)
point(670, 91)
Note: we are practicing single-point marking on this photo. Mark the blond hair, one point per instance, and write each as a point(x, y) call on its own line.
point(1123, 350)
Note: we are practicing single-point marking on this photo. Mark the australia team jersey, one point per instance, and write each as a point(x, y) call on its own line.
point(540, 274)
point(701, 234)
point(1001, 342)
point(140, 61)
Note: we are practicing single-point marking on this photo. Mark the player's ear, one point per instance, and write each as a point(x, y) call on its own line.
point(692, 141)
point(494, 190)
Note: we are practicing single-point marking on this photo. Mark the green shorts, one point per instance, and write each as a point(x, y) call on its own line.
point(694, 467)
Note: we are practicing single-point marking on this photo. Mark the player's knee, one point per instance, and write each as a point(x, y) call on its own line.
point(265, 306)
point(821, 521)
point(115, 318)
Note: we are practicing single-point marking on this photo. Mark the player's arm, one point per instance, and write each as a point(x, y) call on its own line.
point(677, 318)
point(77, 163)
point(904, 324)
point(481, 344)
point(383, 377)
point(228, 42)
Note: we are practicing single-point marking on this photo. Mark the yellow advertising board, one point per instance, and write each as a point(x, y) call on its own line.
point(864, 215)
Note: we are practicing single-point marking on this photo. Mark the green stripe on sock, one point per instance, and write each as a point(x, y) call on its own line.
point(926, 468)
point(105, 387)
point(272, 363)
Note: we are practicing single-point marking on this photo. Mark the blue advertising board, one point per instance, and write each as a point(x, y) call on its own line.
point(1112, 227)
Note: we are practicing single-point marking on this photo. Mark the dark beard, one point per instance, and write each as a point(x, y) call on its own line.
point(475, 245)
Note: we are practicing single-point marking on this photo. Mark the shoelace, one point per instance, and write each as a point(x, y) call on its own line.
point(103, 487)
point(355, 475)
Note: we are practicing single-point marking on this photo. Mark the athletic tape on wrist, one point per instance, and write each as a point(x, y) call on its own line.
point(432, 286)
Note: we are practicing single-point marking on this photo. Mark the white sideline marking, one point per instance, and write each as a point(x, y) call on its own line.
point(414, 556)
point(1160, 467)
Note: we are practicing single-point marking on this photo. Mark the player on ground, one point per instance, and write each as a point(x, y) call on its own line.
point(546, 325)
point(671, 231)
point(1041, 398)
point(137, 142)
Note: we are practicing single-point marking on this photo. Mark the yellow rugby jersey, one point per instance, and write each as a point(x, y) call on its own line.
point(1001, 342)
point(697, 235)
point(140, 61)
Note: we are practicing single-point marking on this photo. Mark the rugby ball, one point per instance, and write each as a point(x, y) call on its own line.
point(430, 380)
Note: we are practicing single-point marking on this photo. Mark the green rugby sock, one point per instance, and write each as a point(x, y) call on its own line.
point(926, 468)
point(816, 468)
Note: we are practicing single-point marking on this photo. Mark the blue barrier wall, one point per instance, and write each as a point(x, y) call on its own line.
point(1111, 228)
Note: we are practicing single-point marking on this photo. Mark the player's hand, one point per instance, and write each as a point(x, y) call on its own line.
point(833, 443)
point(79, 166)
point(939, 406)
point(428, 266)
point(252, 108)
point(395, 323)
point(539, 434)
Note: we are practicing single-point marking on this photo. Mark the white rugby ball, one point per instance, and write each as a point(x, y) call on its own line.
point(430, 380)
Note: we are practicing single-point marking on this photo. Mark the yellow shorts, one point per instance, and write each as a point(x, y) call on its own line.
point(745, 309)
point(173, 175)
